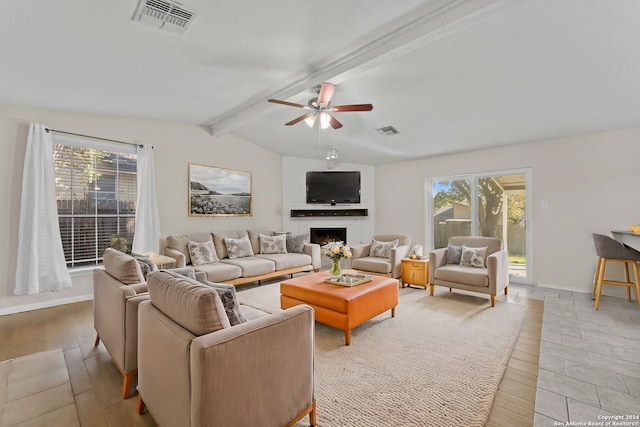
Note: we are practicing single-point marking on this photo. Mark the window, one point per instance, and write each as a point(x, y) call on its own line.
point(96, 196)
point(491, 205)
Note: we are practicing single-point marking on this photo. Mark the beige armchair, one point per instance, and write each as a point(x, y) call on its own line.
point(364, 259)
point(195, 369)
point(118, 289)
point(489, 273)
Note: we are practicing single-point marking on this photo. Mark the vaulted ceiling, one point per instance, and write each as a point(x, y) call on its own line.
point(450, 76)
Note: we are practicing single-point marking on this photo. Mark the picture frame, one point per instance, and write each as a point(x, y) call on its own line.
point(215, 191)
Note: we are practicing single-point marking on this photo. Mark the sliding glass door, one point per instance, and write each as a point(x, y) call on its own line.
point(490, 205)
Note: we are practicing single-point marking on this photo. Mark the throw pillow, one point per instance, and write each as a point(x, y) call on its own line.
point(473, 257)
point(295, 244)
point(202, 253)
point(382, 249)
point(238, 248)
point(146, 265)
point(227, 294)
point(273, 244)
point(454, 253)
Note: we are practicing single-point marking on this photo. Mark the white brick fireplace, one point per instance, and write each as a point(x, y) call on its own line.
point(360, 229)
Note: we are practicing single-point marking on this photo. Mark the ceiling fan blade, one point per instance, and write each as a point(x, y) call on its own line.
point(354, 107)
point(299, 119)
point(291, 104)
point(326, 92)
point(334, 123)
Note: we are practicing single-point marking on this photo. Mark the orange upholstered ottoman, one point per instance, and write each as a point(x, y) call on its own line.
point(340, 306)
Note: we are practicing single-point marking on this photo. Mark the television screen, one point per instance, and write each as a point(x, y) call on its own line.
point(332, 187)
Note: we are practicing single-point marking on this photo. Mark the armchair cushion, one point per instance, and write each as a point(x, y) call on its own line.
point(202, 252)
point(190, 304)
point(122, 267)
point(462, 274)
point(227, 294)
point(473, 257)
point(383, 249)
point(454, 254)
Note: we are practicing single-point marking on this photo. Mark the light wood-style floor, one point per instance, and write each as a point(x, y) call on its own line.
point(96, 382)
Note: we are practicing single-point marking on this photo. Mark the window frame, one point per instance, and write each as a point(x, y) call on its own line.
point(78, 263)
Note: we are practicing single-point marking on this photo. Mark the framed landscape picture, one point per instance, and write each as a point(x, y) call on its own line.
point(217, 191)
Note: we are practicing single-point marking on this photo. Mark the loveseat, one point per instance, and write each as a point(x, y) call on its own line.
point(243, 256)
point(200, 364)
point(477, 264)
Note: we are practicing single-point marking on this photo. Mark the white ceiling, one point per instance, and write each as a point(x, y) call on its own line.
point(449, 75)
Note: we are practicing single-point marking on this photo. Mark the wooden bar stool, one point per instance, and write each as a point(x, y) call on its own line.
point(611, 250)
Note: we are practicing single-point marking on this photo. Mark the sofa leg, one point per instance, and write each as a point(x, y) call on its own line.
point(97, 341)
point(312, 414)
point(126, 384)
point(431, 287)
point(505, 290)
point(493, 300)
point(311, 411)
point(140, 406)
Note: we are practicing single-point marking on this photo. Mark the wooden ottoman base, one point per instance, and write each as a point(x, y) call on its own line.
point(341, 307)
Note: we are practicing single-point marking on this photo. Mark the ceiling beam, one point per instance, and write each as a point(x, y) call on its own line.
point(442, 19)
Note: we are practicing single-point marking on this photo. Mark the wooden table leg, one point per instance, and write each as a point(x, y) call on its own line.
point(347, 337)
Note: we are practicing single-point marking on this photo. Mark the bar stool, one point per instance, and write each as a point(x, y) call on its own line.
point(611, 250)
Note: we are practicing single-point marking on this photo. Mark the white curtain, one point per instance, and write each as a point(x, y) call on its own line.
point(41, 264)
point(147, 234)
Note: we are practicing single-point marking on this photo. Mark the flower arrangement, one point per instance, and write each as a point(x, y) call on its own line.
point(336, 251)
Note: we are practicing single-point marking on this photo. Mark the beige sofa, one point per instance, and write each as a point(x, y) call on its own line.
point(490, 277)
point(196, 369)
point(118, 289)
point(248, 269)
point(365, 260)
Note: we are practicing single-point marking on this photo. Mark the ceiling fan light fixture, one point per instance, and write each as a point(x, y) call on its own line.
point(310, 121)
point(325, 120)
point(332, 154)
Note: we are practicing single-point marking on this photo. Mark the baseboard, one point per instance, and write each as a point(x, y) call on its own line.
point(44, 304)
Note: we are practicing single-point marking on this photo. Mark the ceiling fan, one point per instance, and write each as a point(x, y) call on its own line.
point(320, 107)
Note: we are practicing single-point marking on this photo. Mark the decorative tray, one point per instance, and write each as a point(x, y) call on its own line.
point(349, 279)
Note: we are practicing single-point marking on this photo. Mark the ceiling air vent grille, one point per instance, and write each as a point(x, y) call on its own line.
point(164, 15)
point(387, 131)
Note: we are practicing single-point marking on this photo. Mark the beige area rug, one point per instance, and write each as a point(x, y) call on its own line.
point(437, 363)
point(35, 391)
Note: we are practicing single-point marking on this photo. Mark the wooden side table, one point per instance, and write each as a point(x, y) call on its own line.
point(415, 272)
point(161, 261)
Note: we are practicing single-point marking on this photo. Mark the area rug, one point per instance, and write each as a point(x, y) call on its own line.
point(438, 362)
point(35, 391)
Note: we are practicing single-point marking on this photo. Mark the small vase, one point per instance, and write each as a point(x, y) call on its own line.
point(335, 267)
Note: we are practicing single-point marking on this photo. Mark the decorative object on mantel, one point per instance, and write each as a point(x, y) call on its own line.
point(217, 191)
point(416, 252)
point(336, 251)
point(635, 229)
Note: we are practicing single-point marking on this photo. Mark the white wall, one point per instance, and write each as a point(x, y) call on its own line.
point(359, 229)
point(590, 183)
point(175, 145)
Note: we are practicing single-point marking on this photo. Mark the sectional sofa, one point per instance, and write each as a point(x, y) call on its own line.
point(254, 265)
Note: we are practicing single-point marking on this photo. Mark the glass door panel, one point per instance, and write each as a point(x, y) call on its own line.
point(502, 203)
point(451, 210)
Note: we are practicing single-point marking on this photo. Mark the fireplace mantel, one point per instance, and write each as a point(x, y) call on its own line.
point(303, 213)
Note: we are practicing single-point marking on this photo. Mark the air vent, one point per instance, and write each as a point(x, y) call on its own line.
point(164, 15)
point(387, 131)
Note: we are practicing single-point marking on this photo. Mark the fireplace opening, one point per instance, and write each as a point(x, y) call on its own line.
point(322, 236)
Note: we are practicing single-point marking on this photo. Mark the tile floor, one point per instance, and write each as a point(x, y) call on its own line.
point(589, 366)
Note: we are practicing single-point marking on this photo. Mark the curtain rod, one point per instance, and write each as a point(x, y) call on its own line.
point(94, 137)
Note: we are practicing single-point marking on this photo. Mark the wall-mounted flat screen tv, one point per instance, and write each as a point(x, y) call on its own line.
point(333, 187)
